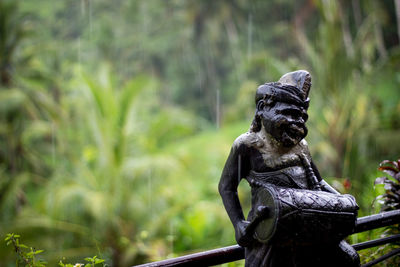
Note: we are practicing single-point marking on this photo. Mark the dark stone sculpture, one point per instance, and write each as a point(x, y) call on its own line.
point(296, 218)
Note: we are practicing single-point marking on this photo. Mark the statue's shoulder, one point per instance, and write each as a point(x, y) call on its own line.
point(246, 140)
point(303, 147)
point(303, 144)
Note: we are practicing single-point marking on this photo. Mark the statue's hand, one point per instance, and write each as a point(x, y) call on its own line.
point(243, 237)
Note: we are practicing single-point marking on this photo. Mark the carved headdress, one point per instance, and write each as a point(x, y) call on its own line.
point(293, 87)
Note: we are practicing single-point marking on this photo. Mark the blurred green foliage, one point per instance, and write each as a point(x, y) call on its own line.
point(116, 117)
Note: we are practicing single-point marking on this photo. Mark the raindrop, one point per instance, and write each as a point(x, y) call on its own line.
point(53, 146)
point(249, 35)
point(150, 192)
point(218, 109)
point(79, 50)
point(83, 7)
point(90, 19)
point(171, 239)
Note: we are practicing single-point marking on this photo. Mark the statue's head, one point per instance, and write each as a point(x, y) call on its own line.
point(281, 107)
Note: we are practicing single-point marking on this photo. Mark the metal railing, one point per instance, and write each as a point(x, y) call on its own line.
point(234, 253)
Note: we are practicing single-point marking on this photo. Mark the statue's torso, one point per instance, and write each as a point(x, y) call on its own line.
point(270, 163)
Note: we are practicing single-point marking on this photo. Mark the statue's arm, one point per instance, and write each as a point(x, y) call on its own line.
point(228, 184)
point(324, 185)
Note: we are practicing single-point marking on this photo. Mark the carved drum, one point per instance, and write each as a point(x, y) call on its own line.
point(299, 216)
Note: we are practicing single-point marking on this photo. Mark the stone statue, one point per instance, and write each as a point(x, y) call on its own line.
point(296, 218)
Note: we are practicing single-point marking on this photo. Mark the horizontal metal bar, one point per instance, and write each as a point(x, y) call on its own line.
point(206, 258)
point(384, 257)
point(377, 221)
point(376, 242)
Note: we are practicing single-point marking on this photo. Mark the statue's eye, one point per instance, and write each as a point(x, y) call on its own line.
point(291, 112)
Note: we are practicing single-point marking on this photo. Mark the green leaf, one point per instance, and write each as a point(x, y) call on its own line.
point(38, 251)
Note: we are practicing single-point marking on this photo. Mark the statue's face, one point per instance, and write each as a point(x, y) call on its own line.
point(284, 122)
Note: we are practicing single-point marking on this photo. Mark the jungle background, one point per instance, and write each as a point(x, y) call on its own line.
point(116, 117)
